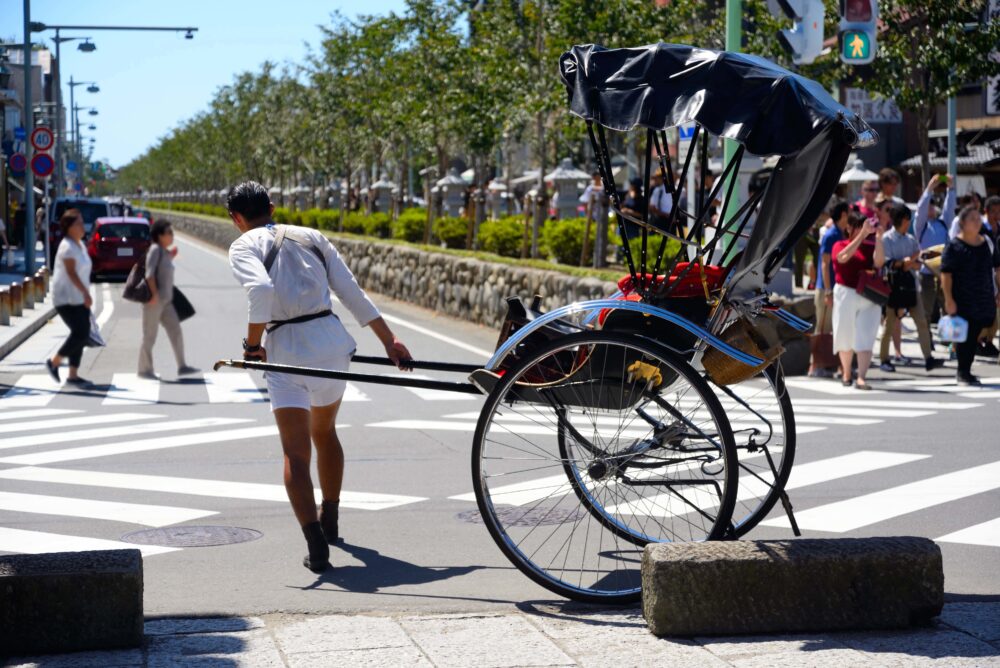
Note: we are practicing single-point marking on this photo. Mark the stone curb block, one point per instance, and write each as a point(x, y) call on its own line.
point(70, 601)
point(16, 300)
point(738, 587)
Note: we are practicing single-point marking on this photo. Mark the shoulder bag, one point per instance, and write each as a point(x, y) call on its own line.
point(873, 287)
point(136, 288)
point(903, 289)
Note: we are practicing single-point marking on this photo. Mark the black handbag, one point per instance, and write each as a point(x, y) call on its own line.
point(903, 289)
point(136, 288)
point(182, 305)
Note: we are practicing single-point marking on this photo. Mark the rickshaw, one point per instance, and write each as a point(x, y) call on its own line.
point(660, 413)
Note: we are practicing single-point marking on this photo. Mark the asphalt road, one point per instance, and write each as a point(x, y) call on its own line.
point(920, 458)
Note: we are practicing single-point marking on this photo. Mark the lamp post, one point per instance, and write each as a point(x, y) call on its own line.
point(91, 88)
point(87, 47)
point(76, 133)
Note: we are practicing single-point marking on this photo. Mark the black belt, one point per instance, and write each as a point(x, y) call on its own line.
point(275, 324)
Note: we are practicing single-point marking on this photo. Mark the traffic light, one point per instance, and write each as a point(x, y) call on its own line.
point(804, 40)
point(858, 39)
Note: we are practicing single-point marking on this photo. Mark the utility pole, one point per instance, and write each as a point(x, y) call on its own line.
point(29, 176)
point(734, 36)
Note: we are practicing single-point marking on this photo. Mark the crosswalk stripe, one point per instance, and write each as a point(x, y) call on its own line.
point(30, 391)
point(868, 509)
point(987, 533)
point(127, 389)
point(904, 403)
point(38, 542)
point(521, 493)
point(803, 475)
point(232, 388)
point(140, 445)
point(614, 422)
point(34, 414)
point(111, 418)
point(354, 393)
point(111, 432)
point(826, 387)
point(435, 395)
point(226, 489)
point(132, 513)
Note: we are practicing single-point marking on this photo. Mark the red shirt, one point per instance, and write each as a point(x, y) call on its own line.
point(847, 273)
point(866, 211)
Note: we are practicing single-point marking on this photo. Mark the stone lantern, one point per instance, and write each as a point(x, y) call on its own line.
point(332, 195)
point(223, 196)
point(499, 199)
point(380, 193)
point(452, 192)
point(277, 199)
point(300, 195)
point(566, 179)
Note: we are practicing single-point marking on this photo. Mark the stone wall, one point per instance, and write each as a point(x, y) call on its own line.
point(465, 288)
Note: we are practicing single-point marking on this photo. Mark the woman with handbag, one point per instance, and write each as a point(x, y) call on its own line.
point(160, 310)
point(856, 317)
point(71, 295)
point(970, 280)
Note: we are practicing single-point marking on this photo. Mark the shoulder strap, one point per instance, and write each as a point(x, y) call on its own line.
point(272, 254)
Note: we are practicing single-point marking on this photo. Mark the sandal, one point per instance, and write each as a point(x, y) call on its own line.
point(847, 383)
point(866, 387)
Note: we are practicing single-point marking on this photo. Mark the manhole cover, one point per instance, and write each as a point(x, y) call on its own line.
point(512, 516)
point(191, 536)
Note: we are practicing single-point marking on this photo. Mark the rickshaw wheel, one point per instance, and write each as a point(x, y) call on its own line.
point(763, 422)
point(635, 436)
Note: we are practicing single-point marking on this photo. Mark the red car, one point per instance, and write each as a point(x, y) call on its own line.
point(116, 244)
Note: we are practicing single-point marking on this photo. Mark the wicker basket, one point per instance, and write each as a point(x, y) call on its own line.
point(724, 370)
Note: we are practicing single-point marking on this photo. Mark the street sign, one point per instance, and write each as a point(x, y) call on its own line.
point(872, 109)
point(17, 162)
point(42, 165)
point(70, 165)
point(20, 134)
point(42, 139)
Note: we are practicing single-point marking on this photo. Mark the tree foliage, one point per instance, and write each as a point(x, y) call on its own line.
point(449, 78)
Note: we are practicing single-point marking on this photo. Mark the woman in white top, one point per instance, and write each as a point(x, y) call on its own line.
point(288, 287)
point(71, 295)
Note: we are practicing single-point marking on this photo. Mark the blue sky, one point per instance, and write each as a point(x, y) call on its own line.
point(152, 81)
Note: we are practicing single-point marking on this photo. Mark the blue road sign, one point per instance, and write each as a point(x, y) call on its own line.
point(42, 165)
point(18, 163)
point(71, 165)
point(20, 134)
point(685, 132)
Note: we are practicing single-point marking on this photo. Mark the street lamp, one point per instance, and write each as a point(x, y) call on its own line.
point(75, 124)
point(85, 46)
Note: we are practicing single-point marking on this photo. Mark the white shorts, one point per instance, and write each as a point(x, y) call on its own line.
point(855, 320)
point(288, 391)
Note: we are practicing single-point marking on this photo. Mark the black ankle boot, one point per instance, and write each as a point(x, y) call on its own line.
point(328, 516)
point(318, 559)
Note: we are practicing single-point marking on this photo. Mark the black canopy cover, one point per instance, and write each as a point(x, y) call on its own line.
point(764, 107)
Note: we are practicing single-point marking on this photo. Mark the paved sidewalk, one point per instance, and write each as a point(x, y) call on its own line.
point(21, 328)
point(967, 634)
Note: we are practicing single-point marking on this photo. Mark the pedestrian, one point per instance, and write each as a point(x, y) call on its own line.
point(71, 296)
point(661, 203)
point(973, 199)
point(931, 230)
point(288, 273)
point(855, 317)
point(888, 184)
point(866, 205)
point(634, 206)
point(986, 346)
point(159, 310)
point(902, 257)
point(5, 251)
point(824, 280)
point(970, 280)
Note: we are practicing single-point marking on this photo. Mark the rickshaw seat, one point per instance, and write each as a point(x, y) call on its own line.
point(689, 286)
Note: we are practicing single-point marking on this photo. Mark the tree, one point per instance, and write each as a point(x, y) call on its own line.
point(929, 50)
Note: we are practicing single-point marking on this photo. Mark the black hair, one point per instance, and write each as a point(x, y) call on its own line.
point(992, 200)
point(898, 213)
point(250, 200)
point(158, 229)
point(68, 218)
point(839, 209)
point(855, 219)
point(967, 211)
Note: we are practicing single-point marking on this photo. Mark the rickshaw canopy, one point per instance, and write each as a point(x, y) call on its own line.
point(760, 105)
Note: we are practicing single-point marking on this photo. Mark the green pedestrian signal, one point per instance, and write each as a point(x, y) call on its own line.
point(856, 47)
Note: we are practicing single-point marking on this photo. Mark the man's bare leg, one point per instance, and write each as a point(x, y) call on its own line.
point(293, 426)
point(330, 463)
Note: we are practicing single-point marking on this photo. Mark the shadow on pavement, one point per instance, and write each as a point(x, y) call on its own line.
point(380, 571)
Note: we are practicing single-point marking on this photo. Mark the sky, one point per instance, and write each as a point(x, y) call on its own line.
point(151, 82)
